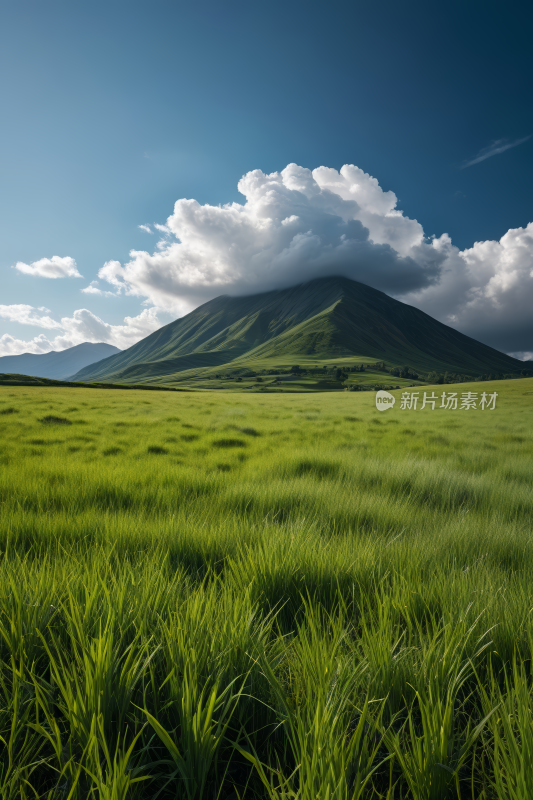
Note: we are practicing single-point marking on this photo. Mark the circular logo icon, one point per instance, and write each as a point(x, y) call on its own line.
point(384, 400)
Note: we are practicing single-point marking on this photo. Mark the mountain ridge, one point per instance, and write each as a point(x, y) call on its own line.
point(325, 317)
point(57, 364)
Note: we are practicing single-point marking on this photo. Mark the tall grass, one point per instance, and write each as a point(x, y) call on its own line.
point(265, 597)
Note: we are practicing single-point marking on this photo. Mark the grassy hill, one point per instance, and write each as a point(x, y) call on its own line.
point(323, 319)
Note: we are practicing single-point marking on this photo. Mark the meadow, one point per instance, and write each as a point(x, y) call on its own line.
point(236, 595)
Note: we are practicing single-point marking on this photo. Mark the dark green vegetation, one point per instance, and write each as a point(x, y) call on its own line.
point(30, 380)
point(222, 595)
point(318, 322)
point(314, 377)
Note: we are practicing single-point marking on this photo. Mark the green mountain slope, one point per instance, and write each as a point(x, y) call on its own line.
point(325, 318)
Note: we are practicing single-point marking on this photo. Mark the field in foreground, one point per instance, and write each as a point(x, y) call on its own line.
point(267, 596)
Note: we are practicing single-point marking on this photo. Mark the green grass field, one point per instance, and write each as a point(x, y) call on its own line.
point(237, 595)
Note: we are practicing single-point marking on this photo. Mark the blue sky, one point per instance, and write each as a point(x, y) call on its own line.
point(113, 111)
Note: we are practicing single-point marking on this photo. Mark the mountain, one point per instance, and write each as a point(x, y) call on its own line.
point(325, 318)
point(58, 365)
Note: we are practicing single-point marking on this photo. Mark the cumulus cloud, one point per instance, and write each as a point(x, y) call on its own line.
point(486, 291)
point(295, 225)
point(28, 315)
point(55, 267)
point(145, 228)
point(300, 224)
point(83, 326)
point(11, 346)
point(93, 288)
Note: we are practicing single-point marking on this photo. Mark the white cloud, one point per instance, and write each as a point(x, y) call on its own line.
point(295, 225)
point(28, 315)
point(110, 272)
point(10, 346)
point(83, 326)
point(145, 228)
point(299, 224)
point(93, 288)
point(55, 267)
point(486, 291)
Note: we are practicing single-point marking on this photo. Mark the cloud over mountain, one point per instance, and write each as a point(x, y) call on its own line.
point(299, 224)
point(295, 225)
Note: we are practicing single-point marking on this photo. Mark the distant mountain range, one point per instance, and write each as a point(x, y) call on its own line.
point(58, 365)
point(325, 318)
